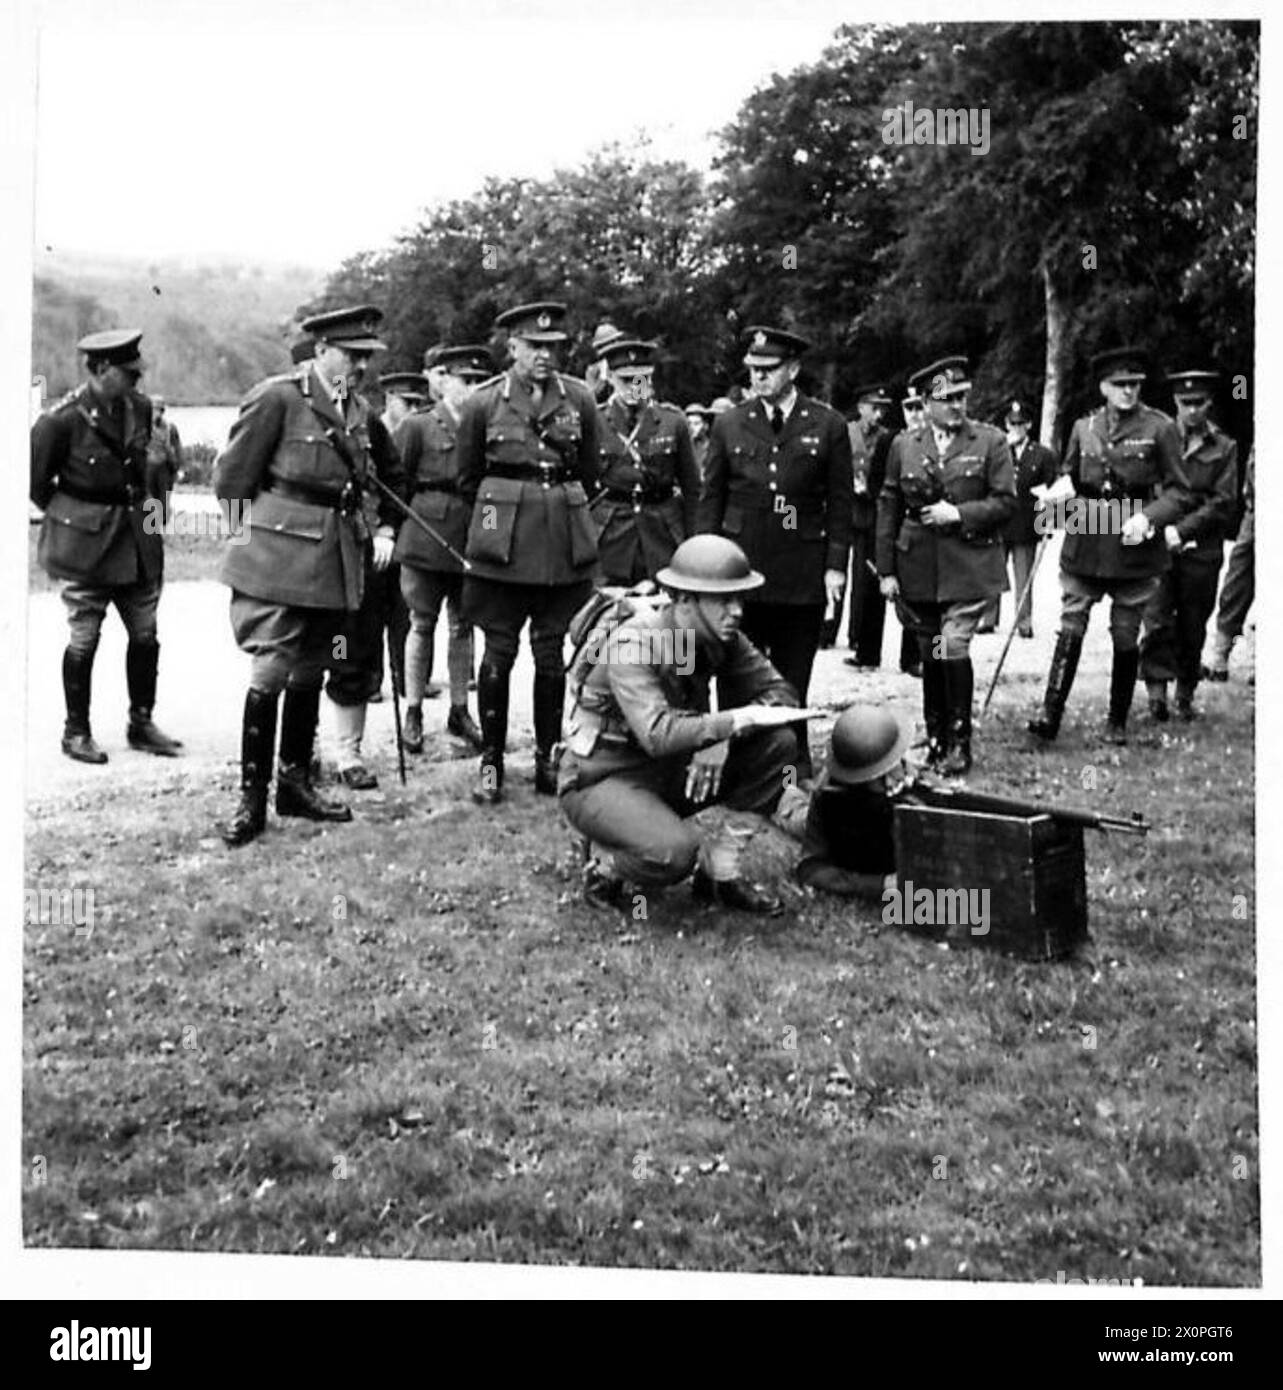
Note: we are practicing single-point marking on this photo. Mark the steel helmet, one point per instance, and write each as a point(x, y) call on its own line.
point(709, 564)
point(865, 743)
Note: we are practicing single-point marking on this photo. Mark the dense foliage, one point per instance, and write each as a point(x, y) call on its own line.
point(1114, 200)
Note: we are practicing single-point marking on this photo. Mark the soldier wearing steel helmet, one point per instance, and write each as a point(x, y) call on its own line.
point(643, 753)
point(102, 534)
point(847, 842)
point(528, 458)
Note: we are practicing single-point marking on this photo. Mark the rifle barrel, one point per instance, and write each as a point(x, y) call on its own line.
point(984, 801)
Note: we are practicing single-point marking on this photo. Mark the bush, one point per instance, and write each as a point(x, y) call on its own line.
point(198, 466)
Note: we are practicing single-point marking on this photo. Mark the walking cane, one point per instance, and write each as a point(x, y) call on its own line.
point(396, 708)
point(1006, 646)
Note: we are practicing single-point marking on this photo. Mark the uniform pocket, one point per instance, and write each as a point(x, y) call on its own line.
point(87, 517)
point(271, 514)
point(583, 533)
point(494, 518)
point(507, 445)
point(967, 483)
point(432, 506)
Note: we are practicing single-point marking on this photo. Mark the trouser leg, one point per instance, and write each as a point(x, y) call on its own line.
point(630, 816)
point(1022, 564)
point(790, 636)
point(754, 776)
point(1239, 588)
point(1196, 598)
point(1128, 606)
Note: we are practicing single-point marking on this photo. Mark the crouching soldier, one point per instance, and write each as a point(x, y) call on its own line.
point(642, 751)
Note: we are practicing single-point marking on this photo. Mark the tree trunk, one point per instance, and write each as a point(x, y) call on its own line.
point(1053, 380)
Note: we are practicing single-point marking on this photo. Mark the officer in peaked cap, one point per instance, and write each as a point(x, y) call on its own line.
point(1035, 467)
point(914, 409)
point(596, 376)
point(1122, 483)
point(431, 571)
point(355, 679)
point(299, 457)
point(1175, 622)
point(408, 390)
point(649, 479)
point(870, 441)
point(699, 418)
point(102, 532)
point(948, 491)
point(528, 452)
point(778, 483)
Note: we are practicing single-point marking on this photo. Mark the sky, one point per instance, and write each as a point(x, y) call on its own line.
point(305, 131)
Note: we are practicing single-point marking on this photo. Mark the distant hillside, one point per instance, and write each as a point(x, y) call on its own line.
point(210, 330)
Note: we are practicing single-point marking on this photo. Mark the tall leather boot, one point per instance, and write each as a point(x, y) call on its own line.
point(492, 700)
point(910, 659)
point(1060, 680)
point(258, 740)
point(935, 710)
point(295, 794)
point(550, 697)
point(959, 685)
point(142, 661)
point(1122, 684)
point(77, 685)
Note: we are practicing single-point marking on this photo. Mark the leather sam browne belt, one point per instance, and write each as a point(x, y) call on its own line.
point(117, 497)
point(645, 496)
point(436, 485)
point(344, 500)
point(550, 473)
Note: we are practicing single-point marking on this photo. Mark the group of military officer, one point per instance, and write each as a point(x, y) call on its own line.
point(527, 488)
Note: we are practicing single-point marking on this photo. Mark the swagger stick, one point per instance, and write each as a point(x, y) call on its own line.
point(1015, 623)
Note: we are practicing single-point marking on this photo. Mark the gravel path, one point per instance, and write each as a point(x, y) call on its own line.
point(203, 677)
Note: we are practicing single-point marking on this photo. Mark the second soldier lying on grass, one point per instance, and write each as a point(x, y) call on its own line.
point(643, 754)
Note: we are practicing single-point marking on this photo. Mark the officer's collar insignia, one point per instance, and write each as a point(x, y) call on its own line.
point(759, 340)
point(544, 320)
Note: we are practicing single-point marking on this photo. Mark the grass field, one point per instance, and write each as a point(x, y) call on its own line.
point(406, 1038)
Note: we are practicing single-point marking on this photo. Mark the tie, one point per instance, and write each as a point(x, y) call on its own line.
point(777, 419)
point(536, 395)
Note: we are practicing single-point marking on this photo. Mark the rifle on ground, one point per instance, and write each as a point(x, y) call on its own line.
point(964, 799)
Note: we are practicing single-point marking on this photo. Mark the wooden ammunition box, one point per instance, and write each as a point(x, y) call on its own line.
point(1033, 868)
